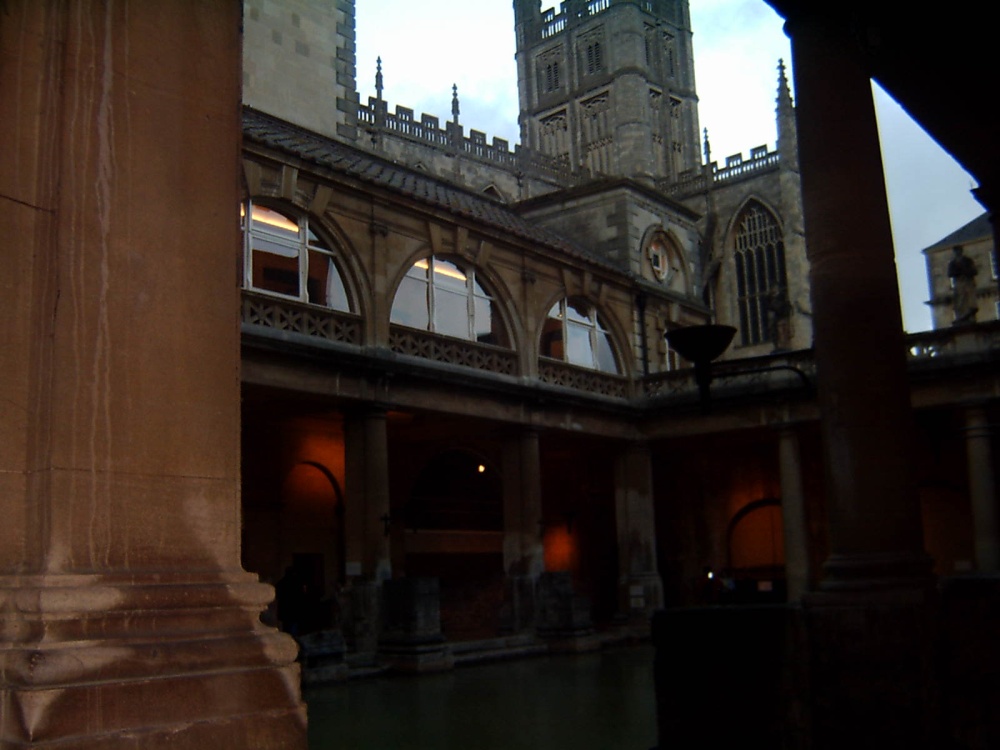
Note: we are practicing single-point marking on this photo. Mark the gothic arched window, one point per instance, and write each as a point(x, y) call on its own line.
point(440, 296)
point(283, 256)
point(594, 57)
point(575, 333)
point(760, 272)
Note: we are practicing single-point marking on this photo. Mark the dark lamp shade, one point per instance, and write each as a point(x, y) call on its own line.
point(700, 344)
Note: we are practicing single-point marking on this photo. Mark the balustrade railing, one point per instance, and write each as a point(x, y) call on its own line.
point(296, 317)
point(553, 372)
point(430, 346)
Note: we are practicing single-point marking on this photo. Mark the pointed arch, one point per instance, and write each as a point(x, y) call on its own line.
point(756, 240)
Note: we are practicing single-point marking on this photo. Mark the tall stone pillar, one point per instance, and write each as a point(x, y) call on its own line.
point(869, 628)
point(793, 511)
point(366, 484)
point(367, 521)
point(982, 491)
point(126, 620)
point(640, 587)
point(874, 518)
point(523, 552)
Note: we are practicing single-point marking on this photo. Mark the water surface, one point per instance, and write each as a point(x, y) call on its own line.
point(598, 701)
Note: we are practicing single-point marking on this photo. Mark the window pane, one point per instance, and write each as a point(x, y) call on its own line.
point(605, 355)
point(579, 312)
point(272, 222)
point(483, 321)
point(451, 314)
point(579, 349)
point(275, 268)
point(325, 286)
point(410, 306)
point(552, 337)
point(449, 276)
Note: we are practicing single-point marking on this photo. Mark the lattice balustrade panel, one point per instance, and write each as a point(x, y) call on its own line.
point(415, 343)
point(284, 315)
point(582, 379)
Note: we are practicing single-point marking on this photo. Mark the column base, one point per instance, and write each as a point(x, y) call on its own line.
point(871, 671)
point(639, 596)
point(867, 572)
point(145, 662)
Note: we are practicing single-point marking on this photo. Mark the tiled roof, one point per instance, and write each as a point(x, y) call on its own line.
point(349, 160)
point(976, 229)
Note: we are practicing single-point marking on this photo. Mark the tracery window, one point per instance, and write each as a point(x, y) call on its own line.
point(440, 296)
point(575, 333)
point(760, 273)
point(594, 58)
point(552, 76)
point(283, 256)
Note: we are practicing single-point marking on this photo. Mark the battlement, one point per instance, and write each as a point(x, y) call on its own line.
point(555, 20)
point(375, 118)
point(736, 168)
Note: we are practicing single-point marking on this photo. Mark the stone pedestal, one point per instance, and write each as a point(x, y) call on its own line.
point(727, 676)
point(322, 657)
point(411, 638)
point(563, 617)
point(518, 611)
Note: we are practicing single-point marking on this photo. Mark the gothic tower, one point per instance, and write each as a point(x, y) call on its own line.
point(607, 86)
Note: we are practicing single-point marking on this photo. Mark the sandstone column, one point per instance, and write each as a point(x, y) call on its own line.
point(793, 513)
point(523, 552)
point(640, 588)
point(367, 491)
point(367, 521)
point(126, 619)
point(982, 491)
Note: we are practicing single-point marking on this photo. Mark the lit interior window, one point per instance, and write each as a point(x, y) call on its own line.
point(574, 333)
point(440, 296)
point(284, 256)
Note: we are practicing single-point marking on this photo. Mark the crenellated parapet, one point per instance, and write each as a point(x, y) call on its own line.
point(736, 168)
point(425, 141)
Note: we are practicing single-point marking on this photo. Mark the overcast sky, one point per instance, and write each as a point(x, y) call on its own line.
point(429, 45)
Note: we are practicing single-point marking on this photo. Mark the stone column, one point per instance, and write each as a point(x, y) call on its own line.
point(126, 619)
point(366, 485)
point(367, 523)
point(523, 552)
point(640, 587)
point(982, 491)
point(868, 630)
point(793, 513)
point(875, 528)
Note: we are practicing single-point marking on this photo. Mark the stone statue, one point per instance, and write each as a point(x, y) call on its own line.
point(779, 315)
point(962, 271)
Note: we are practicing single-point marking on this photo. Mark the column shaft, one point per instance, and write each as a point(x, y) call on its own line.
point(982, 491)
point(640, 588)
point(874, 519)
point(367, 495)
point(794, 516)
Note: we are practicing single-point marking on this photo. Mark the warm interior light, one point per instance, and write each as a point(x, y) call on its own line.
point(273, 218)
point(481, 468)
point(711, 575)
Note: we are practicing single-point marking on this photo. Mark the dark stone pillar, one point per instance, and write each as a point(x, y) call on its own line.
point(869, 629)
